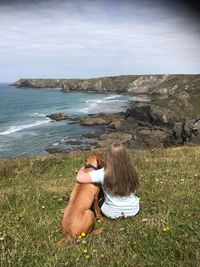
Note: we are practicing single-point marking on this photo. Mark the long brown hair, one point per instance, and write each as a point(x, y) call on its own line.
point(120, 175)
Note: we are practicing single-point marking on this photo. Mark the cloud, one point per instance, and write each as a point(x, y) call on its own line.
point(82, 38)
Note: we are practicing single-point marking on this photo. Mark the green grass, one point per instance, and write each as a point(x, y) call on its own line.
point(164, 103)
point(174, 103)
point(34, 191)
point(195, 101)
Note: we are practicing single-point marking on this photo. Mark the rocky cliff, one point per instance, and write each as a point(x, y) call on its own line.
point(39, 83)
point(166, 122)
point(155, 85)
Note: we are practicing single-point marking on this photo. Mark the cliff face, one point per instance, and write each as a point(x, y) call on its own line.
point(39, 83)
point(171, 121)
point(158, 85)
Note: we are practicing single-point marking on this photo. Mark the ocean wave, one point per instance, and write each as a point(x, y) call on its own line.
point(112, 97)
point(94, 100)
point(96, 105)
point(55, 144)
point(36, 114)
point(13, 129)
point(105, 99)
point(91, 107)
point(92, 104)
point(115, 101)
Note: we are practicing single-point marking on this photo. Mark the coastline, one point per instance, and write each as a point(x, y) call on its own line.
point(26, 129)
point(170, 117)
point(152, 85)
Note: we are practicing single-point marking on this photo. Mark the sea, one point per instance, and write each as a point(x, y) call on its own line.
point(25, 129)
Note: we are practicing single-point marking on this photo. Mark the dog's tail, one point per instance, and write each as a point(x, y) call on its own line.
point(65, 239)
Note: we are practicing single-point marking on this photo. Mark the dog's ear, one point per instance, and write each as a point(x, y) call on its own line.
point(86, 162)
point(100, 163)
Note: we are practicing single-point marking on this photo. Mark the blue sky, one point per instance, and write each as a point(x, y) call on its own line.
point(83, 39)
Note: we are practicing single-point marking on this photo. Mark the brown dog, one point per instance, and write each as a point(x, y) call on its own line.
point(78, 216)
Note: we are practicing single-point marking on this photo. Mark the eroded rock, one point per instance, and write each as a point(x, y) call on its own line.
point(58, 116)
point(107, 139)
point(95, 121)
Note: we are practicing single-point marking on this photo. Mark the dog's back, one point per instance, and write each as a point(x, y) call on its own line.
point(81, 200)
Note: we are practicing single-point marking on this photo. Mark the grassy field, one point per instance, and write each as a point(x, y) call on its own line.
point(34, 192)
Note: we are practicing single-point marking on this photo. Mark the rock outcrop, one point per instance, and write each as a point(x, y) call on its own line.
point(185, 132)
point(106, 139)
point(58, 116)
point(167, 122)
point(100, 119)
point(164, 111)
point(95, 121)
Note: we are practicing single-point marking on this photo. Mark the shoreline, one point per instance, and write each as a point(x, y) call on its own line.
point(169, 117)
point(57, 132)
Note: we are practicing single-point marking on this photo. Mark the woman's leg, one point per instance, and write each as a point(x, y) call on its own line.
point(101, 197)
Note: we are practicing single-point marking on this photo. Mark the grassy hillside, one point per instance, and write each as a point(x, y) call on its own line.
point(34, 191)
point(188, 107)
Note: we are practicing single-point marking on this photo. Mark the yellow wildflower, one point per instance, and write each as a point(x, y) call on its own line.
point(165, 228)
point(83, 234)
point(85, 251)
point(87, 257)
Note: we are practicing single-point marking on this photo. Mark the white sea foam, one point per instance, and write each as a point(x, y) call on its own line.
point(105, 99)
point(36, 114)
point(93, 104)
point(91, 107)
point(55, 144)
point(115, 101)
point(97, 105)
point(94, 100)
point(13, 129)
point(112, 97)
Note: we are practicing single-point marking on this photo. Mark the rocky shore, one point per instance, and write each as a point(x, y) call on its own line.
point(172, 121)
point(170, 118)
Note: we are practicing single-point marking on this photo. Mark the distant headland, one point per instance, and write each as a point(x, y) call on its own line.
point(158, 85)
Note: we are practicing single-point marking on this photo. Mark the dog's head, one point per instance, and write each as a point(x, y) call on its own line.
point(95, 160)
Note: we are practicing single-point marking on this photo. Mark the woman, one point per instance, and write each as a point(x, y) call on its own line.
point(119, 181)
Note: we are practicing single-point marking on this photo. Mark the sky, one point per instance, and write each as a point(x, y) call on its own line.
point(91, 38)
